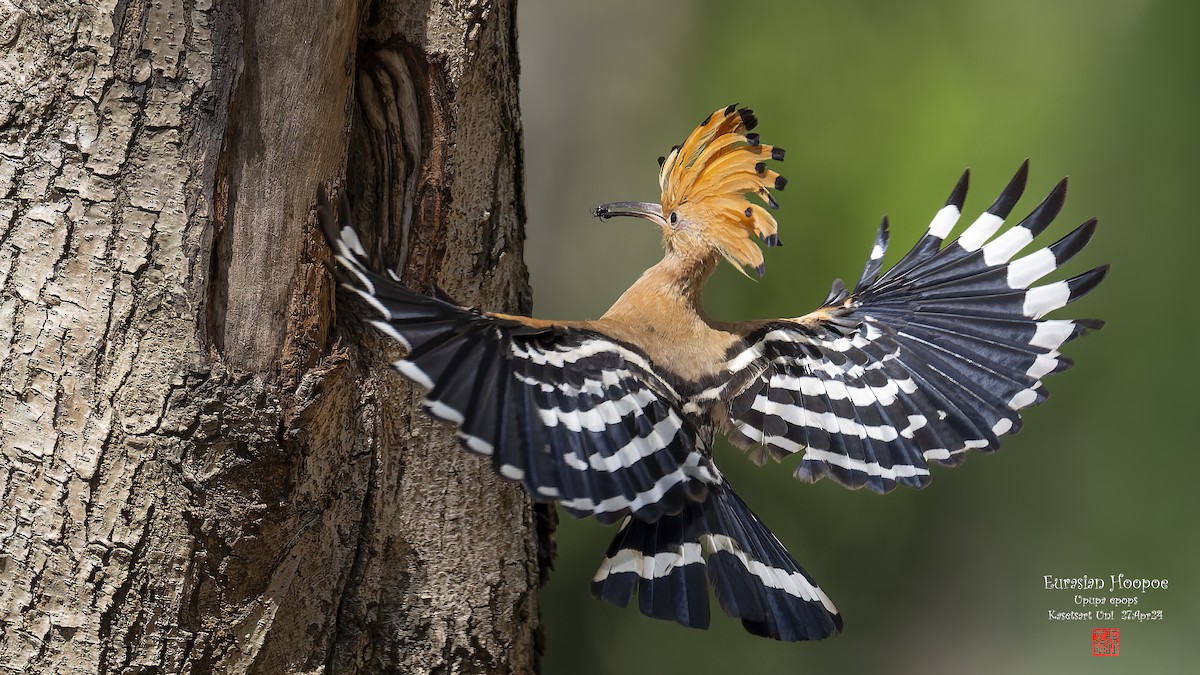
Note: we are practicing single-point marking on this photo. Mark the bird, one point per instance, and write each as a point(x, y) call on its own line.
point(616, 417)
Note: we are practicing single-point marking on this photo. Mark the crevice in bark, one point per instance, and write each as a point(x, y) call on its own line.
point(399, 165)
point(346, 626)
point(114, 615)
point(219, 252)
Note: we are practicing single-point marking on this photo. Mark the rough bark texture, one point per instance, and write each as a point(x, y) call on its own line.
point(198, 472)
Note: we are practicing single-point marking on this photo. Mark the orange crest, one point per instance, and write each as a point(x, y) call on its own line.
point(707, 179)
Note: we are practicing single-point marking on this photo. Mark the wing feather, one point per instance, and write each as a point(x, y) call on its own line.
point(573, 415)
point(932, 358)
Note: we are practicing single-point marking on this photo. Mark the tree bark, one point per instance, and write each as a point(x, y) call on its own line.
point(199, 472)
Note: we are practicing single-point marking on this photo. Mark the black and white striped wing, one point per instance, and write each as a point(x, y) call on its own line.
point(929, 360)
point(573, 415)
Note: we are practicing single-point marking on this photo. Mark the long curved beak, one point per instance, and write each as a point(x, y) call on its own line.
point(648, 210)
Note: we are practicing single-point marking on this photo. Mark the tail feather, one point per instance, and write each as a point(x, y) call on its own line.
point(719, 542)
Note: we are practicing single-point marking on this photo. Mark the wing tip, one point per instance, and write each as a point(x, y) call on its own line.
point(1011, 193)
point(958, 196)
point(1087, 282)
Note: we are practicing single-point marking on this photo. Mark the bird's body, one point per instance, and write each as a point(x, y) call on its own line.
point(661, 314)
point(616, 417)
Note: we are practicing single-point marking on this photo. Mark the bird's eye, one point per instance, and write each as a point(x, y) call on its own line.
point(674, 217)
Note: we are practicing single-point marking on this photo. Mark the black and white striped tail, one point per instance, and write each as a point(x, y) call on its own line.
point(935, 357)
point(671, 562)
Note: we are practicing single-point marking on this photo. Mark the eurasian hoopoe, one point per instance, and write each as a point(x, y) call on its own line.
point(615, 418)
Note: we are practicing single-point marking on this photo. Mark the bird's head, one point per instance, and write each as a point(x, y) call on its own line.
point(705, 183)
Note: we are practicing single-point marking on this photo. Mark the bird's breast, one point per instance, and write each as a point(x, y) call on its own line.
point(684, 349)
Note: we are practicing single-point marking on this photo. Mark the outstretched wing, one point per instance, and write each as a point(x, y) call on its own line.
point(933, 358)
point(573, 415)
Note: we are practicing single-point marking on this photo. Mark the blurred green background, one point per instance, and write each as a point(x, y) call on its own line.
point(881, 105)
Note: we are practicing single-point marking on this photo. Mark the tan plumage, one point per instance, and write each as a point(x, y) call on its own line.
point(661, 315)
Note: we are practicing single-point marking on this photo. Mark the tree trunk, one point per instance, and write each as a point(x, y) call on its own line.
point(199, 473)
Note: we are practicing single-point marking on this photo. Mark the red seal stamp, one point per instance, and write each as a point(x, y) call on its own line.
point(1106, 642)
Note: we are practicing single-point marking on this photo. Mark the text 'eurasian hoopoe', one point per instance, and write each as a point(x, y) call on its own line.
point(616, 417)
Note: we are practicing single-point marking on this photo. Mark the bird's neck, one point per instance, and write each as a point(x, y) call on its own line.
point(670, 290)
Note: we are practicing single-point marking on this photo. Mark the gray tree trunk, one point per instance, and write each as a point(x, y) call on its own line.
point(198, 473)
